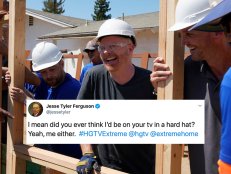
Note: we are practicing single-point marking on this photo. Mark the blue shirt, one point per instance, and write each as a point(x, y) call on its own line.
point(68, 89)
point(225, 99)
point(84, 70)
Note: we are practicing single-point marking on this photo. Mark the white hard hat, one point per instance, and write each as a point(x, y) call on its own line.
point(218, 12)
point(116, 27)
point(45, 55)
point(189, 12)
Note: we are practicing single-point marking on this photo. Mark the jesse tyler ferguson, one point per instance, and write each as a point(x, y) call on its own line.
point(68, 106)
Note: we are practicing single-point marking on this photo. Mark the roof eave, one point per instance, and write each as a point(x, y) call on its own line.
point(50, 20)
point(73, 35)
point(80, 35)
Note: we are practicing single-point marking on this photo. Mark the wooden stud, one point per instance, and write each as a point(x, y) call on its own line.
point(16, 66)
point(168, 158)
point(53, 160)
point(1, 7)
point(79, 63)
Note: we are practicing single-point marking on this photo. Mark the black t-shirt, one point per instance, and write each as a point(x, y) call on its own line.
point(98, 84)
point(195, 89)
point(130, 158)
point(201, 83)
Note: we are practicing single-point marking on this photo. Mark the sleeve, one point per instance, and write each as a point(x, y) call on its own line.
point(82, 75)
point(224, 168)
point(225, 99)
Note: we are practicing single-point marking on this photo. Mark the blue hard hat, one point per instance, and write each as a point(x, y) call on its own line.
point(222, 9)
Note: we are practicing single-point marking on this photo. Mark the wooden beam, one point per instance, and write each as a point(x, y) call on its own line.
point(53, 160)
point(168, 158)
point(79, 63)
point(162, 52)
point(1, 8)
point(16, 66)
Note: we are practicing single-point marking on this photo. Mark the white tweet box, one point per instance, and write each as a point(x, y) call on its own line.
point(116, 122)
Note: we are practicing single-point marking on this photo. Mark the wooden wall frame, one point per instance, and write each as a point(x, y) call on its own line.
point(169, 157)
point(17, 153)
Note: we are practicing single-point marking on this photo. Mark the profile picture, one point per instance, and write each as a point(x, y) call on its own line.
point(35, 109)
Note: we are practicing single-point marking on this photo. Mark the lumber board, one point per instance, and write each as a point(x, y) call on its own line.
point(53, 160)
point(1, 7)
point(16, 56)
point(169, 157)
point(160, 90)
point(79, 63)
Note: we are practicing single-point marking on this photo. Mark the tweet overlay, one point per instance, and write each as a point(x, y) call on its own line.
point(115, 122)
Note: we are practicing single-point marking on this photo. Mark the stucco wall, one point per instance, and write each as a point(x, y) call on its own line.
point(39, 28)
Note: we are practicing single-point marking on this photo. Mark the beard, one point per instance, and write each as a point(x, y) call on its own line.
point(54, 81)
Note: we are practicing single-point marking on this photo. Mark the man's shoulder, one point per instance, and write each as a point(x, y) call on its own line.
point(87, 66)
point(227, 78)
point(189, 62)
point(97, 70)
point(71, 80)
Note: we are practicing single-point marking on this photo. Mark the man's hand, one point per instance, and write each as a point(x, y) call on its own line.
point(161, 72)
point(87, 164)
point(17, 94)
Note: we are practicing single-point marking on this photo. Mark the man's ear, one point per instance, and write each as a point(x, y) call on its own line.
point(131, 47)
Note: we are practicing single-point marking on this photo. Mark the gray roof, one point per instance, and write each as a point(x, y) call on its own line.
point(59, 19)
point(140, 21)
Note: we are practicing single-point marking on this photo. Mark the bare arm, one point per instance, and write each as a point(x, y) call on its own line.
point(86, 148)
point(19, 95)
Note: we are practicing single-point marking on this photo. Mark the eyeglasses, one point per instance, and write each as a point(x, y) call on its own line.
point(111, 47)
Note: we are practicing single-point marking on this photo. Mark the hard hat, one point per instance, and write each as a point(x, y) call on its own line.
point(116, 27)
point(91, 45)
point(190, 12)
point(45, 55)
point(217, 12)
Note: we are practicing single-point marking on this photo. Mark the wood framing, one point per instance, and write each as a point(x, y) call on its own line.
point(79, 58)
point(144, 58)
point(169, 157)
point(16, 55)
point(1, 22)
point(53, 160)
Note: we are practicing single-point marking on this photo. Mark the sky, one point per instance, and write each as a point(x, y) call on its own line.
point(84, 8)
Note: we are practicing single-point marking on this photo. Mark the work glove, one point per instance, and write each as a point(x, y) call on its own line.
point(87, 164)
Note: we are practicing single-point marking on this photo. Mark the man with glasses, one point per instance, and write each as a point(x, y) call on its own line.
point(93, 54)
point(117, 78)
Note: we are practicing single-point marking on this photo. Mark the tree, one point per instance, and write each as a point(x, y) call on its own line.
point(53, 6)
point(100, 9)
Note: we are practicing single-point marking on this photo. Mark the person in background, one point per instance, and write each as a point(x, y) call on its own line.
point(221, 15)
point(116, 79)
point(93, 54)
